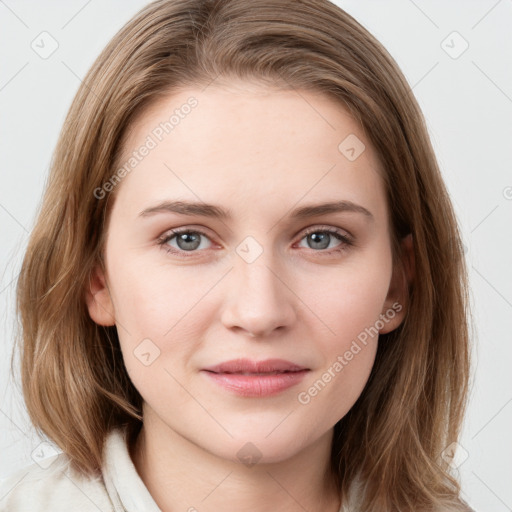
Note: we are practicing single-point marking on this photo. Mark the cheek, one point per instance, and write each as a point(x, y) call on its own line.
point(151, 298)
point(161, 313)
point(331, 392)
point(348, 351)
point(349, 301)
point(348, 312)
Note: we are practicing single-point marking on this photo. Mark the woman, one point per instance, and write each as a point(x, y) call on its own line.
point(246, 286)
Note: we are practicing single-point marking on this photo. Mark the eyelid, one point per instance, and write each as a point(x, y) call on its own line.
point(330, 229)
point(186, 229)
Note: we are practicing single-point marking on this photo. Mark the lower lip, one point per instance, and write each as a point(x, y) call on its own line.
point(257, 385)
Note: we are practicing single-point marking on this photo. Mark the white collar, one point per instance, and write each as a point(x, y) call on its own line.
point(124, 485)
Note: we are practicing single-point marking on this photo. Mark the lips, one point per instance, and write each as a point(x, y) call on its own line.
point(256, 379)
point(248, 367)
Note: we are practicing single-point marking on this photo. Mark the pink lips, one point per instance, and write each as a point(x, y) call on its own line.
point(256, 378)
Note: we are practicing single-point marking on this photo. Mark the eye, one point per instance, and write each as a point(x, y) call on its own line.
point(321, 238)
point(187, 240)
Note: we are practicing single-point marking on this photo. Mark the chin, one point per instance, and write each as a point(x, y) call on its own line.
point(259, 448)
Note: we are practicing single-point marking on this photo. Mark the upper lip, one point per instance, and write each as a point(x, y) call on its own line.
point(248, 366)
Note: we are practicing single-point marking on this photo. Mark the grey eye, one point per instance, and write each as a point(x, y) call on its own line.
point(188, 241)
point(321, 239)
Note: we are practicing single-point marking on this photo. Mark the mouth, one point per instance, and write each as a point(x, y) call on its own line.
point(256, 379)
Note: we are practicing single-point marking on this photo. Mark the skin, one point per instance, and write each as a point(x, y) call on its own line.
point(261, 153)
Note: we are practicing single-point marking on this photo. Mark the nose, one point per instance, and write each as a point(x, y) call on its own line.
point(259, 298)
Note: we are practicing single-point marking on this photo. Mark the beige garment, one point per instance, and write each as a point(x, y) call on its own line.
point(60, 489)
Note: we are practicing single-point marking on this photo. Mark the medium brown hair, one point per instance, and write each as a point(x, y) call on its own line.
point(75, 384)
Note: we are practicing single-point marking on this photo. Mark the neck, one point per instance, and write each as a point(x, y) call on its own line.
point(180, 475)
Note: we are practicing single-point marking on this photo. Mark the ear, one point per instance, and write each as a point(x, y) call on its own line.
point(97, 297)
point(396, 303)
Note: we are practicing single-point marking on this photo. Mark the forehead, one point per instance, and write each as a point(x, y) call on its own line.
point(250, 145)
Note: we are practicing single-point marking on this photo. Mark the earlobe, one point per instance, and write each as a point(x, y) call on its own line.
point(396, 304)
point(98, 300)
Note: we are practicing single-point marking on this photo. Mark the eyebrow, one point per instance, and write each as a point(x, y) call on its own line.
point(217, 212)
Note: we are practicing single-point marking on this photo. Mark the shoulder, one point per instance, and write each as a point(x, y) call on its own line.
point(53, 486)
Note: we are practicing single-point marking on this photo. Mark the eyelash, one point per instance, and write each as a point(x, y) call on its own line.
point(346, 242)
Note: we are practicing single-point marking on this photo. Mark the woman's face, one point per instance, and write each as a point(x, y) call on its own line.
point(267, 279)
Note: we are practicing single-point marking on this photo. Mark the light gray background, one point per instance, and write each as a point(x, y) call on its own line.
point(467, 101)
